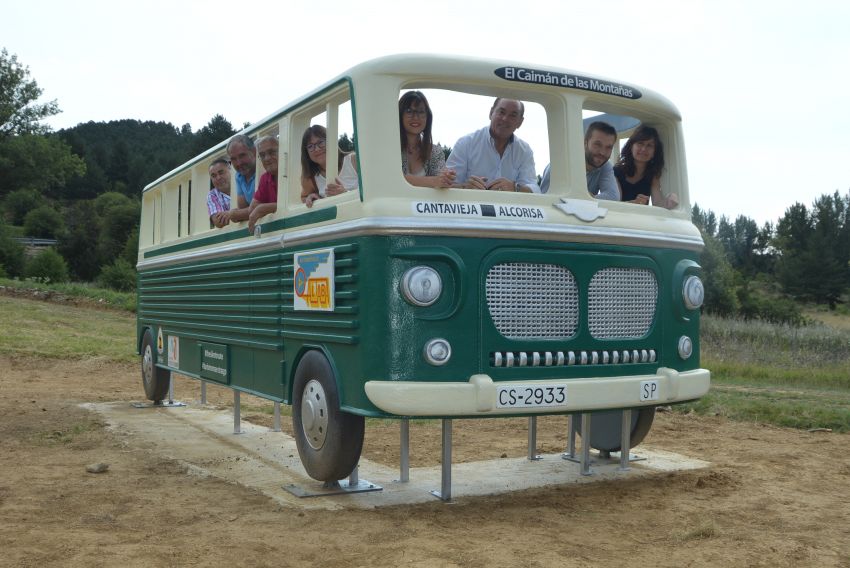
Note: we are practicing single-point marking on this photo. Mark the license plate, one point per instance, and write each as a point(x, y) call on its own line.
point(532, 396)
point(648, 390)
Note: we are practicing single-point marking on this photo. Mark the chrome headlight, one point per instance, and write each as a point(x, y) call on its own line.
point(693, 292)
point(421, 286)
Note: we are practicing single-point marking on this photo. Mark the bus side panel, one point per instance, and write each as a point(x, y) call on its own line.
point(228, 304)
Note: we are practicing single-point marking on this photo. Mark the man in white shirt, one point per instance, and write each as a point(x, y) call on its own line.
point(493, 157)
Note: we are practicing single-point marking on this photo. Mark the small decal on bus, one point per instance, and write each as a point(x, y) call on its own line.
point(313, 282)
point(479, 210)
point(174, 351)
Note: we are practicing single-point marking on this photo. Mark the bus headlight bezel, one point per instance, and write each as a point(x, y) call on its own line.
point(693, 292)
point(437, 351)
point(686, 347)
point(413, 286)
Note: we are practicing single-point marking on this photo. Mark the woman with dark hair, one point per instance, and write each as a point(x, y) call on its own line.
point(313, 162)
point(422, 162)
point(639, 169)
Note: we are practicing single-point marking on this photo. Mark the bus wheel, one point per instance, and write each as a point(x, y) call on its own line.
point(329, 440)
point(606, 428)
point(154, 379)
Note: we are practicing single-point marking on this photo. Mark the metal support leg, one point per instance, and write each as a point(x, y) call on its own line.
point(237, 411)
point(354, 477)
point(203, 392)
point(276, 424)
point(445, 492)
point(585, 444)
point(625, 440)
point(404, 461)
point(570, 454)
point(532, 439)
point(171, 389)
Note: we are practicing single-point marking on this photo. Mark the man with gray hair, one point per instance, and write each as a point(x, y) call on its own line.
point(243, 158)
point(265, 198)
point(494, 157)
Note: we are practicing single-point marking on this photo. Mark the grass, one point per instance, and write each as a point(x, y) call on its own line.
point(56, 331)
point(775, 374)
point(64, 437)
point(102, 297)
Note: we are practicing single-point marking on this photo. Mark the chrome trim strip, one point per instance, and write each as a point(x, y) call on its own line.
point(485, 228)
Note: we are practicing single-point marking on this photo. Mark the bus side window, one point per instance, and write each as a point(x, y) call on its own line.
point(326, 128)
point(449, 120)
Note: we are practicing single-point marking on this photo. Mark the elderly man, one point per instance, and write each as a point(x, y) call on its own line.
point(243, 157)
point(265, 198)
point(494, 157)
point(599, 142)
point(218, 199)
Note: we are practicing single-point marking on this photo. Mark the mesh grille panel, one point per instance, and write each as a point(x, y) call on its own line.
point(532, 300)
point(621, 303)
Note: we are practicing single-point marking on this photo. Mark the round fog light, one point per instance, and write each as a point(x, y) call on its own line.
point(686, 347)
point(693, 292)
point(438, 352)
point(421, 285)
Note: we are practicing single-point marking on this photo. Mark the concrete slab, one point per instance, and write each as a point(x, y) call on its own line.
point(266, 461)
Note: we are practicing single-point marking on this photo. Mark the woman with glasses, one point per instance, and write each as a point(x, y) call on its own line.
point(314, 185)
point(422, 162)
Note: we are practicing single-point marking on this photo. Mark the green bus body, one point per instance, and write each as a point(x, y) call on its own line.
point(244, 303)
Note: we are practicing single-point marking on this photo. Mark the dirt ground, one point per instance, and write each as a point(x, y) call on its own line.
point(772, 496)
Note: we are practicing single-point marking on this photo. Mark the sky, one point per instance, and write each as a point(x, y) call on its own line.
point(762, 86)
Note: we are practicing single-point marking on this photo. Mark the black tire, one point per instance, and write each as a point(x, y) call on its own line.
point(329, 440)
point(154, 380)
point(605, 428)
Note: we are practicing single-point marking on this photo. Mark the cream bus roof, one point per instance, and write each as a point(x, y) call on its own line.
point(477, 75)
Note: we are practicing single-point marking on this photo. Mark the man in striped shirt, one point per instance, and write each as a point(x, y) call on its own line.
point(218, 199)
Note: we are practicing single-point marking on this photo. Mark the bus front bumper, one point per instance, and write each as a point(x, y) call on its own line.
point(480, 395)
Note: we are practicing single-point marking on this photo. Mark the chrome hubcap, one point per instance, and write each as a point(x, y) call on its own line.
point(314, 414)
point(147, 366)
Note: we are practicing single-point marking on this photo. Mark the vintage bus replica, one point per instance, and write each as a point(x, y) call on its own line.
point(392, 300)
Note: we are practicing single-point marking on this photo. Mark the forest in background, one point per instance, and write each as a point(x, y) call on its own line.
point(82, 187)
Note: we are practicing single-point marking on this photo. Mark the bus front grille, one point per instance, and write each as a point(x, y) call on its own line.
point(621, 303)
point(532, 301)
point(541, 301)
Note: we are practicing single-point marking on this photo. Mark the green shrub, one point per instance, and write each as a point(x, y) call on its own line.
point(20, 202)
point(44, 222)
point(48, 266)
point(755, 304)
point(11, 253)
point(109, 200)
point(131, 248)
point(120, 276)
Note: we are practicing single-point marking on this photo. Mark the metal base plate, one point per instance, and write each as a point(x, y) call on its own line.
point(439, 495)
point(595, 457)
point(163, 404)
point(335, 488)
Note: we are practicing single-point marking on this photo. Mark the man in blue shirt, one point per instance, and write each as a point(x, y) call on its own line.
point(599, 142)
point(243, 158)
point(493, 157)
